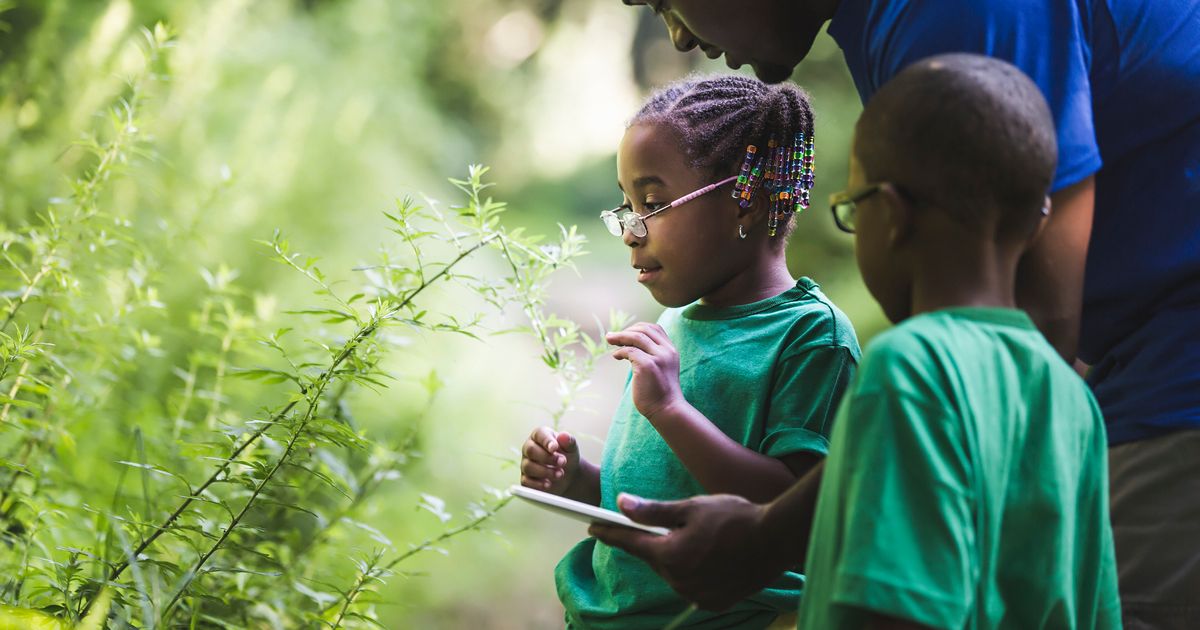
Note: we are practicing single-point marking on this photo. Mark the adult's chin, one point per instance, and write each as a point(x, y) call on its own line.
point(772, 72)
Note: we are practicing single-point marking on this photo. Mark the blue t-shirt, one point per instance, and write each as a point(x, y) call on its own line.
point(1122, 78)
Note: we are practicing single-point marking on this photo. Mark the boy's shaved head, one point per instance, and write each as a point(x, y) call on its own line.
point(969, 134)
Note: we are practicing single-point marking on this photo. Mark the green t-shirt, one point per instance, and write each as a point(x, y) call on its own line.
point(967, 486)
point(770, 374)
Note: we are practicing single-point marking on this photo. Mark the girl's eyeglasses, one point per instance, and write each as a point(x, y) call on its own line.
point(617, 221)
point(845, 205)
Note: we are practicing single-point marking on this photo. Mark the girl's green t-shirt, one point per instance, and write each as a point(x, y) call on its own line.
point(770, 374)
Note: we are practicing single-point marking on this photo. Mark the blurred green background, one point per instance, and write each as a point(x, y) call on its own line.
point(313, 116)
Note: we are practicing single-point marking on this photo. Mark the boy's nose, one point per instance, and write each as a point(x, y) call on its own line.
point(683, 39)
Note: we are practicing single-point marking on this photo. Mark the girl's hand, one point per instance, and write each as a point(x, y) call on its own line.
point(549, 461)
point(655, 366)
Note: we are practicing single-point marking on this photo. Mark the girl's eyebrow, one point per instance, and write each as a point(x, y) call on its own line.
point(643, 181)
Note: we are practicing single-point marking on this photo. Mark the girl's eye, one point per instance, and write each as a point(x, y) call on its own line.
point(651, 206)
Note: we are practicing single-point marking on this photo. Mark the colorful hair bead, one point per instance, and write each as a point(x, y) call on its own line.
point(784, 172)
point(744, 174)
point(748, 190)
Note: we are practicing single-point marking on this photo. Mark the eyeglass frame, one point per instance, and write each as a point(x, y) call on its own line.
point(849, 199)
point(629, 220)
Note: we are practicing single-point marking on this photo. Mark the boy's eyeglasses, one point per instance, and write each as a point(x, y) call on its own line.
point(617, 221)
point(845, 205)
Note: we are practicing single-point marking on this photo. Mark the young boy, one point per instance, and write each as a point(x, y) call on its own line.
point(966, 484)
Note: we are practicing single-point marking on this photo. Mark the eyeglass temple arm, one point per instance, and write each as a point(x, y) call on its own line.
point(703, 191)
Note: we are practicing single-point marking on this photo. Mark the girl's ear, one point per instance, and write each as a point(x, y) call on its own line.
point(756, 214)
point(900, 216)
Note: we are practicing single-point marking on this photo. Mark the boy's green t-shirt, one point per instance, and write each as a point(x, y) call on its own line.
point(967, 486)
point(770, 374)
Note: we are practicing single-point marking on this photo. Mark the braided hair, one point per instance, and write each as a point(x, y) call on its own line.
point(722, 119)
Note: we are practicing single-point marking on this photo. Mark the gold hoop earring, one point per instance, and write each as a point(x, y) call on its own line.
point(741, 232)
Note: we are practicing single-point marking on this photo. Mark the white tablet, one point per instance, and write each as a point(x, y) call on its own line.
point(580, 511)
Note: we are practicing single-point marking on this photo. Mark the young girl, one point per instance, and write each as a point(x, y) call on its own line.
point(734, 389)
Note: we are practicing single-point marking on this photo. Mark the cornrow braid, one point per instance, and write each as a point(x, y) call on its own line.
point(721, 120)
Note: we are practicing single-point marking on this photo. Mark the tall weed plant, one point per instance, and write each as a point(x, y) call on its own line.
point(187, 453)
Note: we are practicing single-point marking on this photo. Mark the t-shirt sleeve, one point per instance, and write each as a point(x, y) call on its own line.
point(1046, 40)
point(808, 385)
point(901, 475)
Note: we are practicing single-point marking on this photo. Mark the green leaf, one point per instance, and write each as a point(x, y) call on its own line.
point(21, 404)
point(14, 618)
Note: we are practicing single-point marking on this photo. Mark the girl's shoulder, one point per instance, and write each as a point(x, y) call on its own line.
point(818, 320)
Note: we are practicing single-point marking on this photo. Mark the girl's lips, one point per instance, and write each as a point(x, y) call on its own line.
point(646, 274)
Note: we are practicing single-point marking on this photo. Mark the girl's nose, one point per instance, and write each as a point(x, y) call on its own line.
point(630, 239)
point(683, 39)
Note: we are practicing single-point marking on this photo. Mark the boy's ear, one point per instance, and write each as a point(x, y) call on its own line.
point(1042, 220)
point(900, 216)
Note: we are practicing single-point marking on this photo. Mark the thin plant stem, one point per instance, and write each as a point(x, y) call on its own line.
point(327, 374)
point(430, 543)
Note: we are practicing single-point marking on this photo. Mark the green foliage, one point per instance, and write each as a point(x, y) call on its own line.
point(189, 462)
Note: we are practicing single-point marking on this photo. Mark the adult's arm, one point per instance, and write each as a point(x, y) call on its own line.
point(722, 548)
point(1050, 275)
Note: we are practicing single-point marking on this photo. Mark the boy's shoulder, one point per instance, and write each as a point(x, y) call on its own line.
point(947, 348)
point(937, 343)
point(951, 332)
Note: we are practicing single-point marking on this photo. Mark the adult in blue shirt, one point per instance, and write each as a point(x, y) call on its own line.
point(1123, 81)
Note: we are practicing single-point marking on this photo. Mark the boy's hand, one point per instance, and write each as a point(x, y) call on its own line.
point(549, 461)
point(655, 366)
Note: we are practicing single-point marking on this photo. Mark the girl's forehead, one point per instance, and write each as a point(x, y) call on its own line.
point(650, 150)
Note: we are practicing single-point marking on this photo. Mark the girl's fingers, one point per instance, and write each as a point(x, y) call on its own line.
point(634, 355)
point(539, 472)
point(566, 442)
point(653, 331)
point(537, 453)
point(546, 438)
point(633, 338)
point(536, 484)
